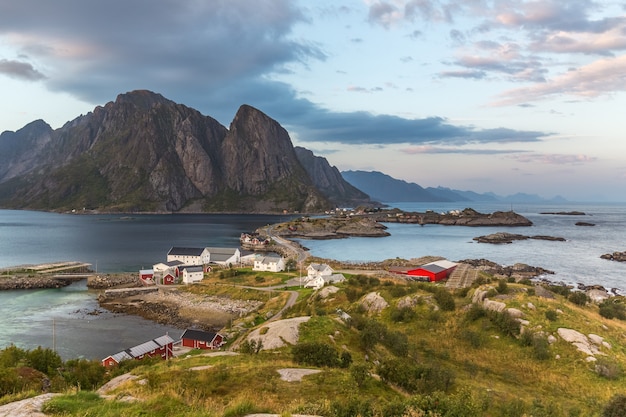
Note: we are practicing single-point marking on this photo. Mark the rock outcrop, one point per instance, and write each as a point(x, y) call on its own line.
point(503, 237)
point(615, 256)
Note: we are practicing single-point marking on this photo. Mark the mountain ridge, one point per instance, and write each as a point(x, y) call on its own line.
point(146, 153)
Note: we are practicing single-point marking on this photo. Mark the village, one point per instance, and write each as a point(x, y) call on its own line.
point(187, 266)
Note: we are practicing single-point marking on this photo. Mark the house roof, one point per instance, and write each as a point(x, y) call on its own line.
point(270, 259)
point(445, 264)
point(223, 251)
point(146, 271)
point(142, 349)
point(319, 267)
point(435, 269)
point(193, 269)
point(199, 335)
point(175, 250)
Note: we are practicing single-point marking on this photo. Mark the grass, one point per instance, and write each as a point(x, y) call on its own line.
point(494, 374)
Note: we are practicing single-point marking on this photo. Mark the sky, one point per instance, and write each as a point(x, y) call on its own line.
point(503, 96)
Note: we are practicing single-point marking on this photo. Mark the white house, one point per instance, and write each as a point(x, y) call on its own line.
point(318, 270)
point(269, 263)
point(164, 269)
point(189, 256)
point(319, 281)
point(224, 256)
point(192, 274)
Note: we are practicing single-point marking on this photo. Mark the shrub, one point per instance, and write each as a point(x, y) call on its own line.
point(404, 314)
point(360, 373)
point(551, 315)
point(504, 322)
point(616, 407)
point(316, 354)
point(612, 309)
point(503, 287)
point(44, 360)
point(608, 369)
point(475, 312)
point(444, 299)
point(250, 346)
point(578, 298)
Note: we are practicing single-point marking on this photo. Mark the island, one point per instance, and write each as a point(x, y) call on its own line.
point(365, 222)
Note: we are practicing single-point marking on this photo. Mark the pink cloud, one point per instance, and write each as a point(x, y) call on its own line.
point(602, 77)
point(554, 159)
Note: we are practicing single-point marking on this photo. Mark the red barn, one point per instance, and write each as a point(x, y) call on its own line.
point(199, 339)
point(433, 271)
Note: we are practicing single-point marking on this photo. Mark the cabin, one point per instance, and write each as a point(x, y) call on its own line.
point(169, 279)
point(146, 276)
point(433, 271)
point(167, 272)
point(189, 256)
point(269, 263)
point(199, 339)
point(192, 274)
point(224, 256)
point(160, 347)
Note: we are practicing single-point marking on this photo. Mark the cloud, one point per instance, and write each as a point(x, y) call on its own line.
point(358, 128)
point(468, 74)
point(169, 46)
point(555, 159)
point(429, 149)
point(602, 77)
point(20, 70)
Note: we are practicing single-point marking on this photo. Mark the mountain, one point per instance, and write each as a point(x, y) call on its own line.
point(144, 152)
point(382, 187)
point(329, 180)
point(385, 188)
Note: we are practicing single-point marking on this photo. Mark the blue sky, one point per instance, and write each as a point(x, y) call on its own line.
point(503, 95)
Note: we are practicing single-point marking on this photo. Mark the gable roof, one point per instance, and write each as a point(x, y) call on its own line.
point(175, 250)
point(192, 269)
point(319, 267)
point(142, 349)
point(266, 260)
point(199, 335)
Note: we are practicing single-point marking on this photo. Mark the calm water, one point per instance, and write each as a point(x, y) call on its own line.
point(70, 319)
point(577, 260)
point(65, 319)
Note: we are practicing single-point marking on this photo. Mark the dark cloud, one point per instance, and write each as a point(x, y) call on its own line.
point(213, 56)
point(21, 70)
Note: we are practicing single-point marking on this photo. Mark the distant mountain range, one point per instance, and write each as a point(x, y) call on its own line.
point(384, 188)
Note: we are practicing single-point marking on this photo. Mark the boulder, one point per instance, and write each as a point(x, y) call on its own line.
point(579, 340)
point(493, 305)
point(515, 313)
point(374, 302)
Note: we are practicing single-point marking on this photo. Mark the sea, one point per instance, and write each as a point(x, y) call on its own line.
point(70, 321)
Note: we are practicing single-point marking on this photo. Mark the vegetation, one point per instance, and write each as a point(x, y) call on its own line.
point(430, 352)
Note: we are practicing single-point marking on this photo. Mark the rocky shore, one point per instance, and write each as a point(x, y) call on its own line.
point(178, 308)
point(31, 282)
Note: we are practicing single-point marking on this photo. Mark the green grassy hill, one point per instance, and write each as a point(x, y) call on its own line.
point(426, 352)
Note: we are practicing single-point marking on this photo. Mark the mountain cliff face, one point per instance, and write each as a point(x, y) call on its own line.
point(329, 180)
point(146, 153)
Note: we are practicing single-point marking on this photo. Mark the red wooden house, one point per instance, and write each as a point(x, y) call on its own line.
point(162, 346)
point(199, 339)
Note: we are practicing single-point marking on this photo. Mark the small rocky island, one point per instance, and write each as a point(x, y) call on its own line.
point(503, 237)
point(615, 256)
